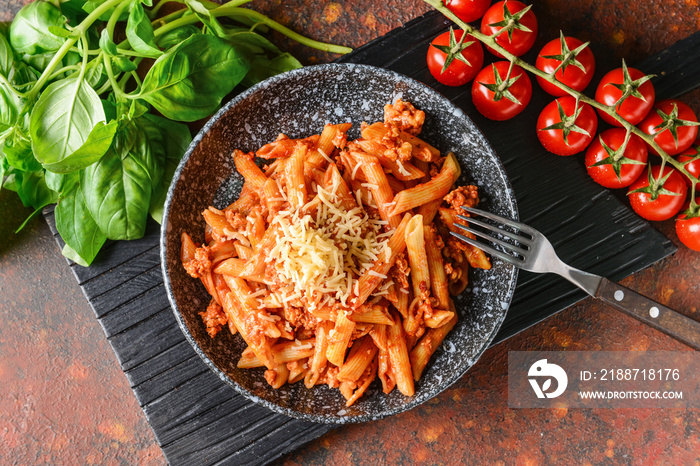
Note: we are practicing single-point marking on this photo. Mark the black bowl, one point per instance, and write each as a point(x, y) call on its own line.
point(298, 104)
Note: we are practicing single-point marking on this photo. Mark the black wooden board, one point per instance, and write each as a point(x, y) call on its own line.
point(198, 419)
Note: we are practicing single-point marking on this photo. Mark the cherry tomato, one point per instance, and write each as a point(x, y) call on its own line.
point(578, 71)
point(517, 23)
point(496, 103)
point(691, 160)
point(468, 10)
point(454, 59)
point(613, 169)
point(564, 130)
point(633, 109)
point(668, 116)
point(688, 228)
point(663, 202)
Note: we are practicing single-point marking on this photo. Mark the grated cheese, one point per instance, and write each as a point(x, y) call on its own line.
point(325, 253)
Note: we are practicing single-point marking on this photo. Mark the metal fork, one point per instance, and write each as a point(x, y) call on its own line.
point(535, 253)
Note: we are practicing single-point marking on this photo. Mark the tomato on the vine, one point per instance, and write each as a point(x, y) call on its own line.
point(691, 161)
point(688, 225)
point(564, 128)
point(673, 125)
point(629, 90)
point(611, 167)
point(498, 96)
point(455, 58)
point(468, 10)
point(515, 25)
point(573, 61)
point(657, 196)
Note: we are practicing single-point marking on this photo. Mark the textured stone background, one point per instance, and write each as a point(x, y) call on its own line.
point(64, 400)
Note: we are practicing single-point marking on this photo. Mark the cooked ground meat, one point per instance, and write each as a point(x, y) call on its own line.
point(399, 272)
point(463, 196)
point(404, 116)
point(201, 262)
point(214, 318)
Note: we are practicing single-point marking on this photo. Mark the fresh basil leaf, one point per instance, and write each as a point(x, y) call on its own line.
point(2, 169)
point(7, 56)
point(61, 183)
point(33, 191)
point(23, 75)
point(110, 109)
point(18, 152)
point(107, 45)
point(38, 61)
point(78, 229)
point(122, 64)
point(63, 118)
point(139, 32)
point(10, 106)
point(11, 182)
point(188, 82)
point(176, 36)
point(60, 32)
point(117, 189)
point(73, 10)
point(29, 31)
point(176, 138)
point(262, 67)
point(137, 109)
point(95, 74)
point(98, 142)
point(204, 15)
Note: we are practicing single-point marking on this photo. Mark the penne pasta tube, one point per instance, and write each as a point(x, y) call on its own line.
point(294, 175)
point(232, 267)
point(379, 186)
point(280, 353)
point(417, 258)
point(338, 339)
point(398, 358)
point(363, 383)
point(247, 168)
point(258, 343)
point(187, 248)
point(439, 318)
point(318, 359)
point(375, 315)
point(429, 211)
point(436, 188)
point(361, 355)
point(436, 268)
point(421, 353)
point(277, 376)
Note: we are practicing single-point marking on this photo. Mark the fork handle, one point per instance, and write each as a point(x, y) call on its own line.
point(650, 312)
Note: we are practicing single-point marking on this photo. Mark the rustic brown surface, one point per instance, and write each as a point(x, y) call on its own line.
point(64, 400)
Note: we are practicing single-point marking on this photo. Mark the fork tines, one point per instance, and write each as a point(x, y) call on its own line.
point(516, 252)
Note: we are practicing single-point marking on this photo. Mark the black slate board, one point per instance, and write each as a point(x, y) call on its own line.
point(197, 419)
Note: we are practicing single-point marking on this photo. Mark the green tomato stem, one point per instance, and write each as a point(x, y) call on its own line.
point(490, 41)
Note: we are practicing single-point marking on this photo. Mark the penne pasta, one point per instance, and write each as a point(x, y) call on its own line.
point(436, 188)
point(335, 265)
point(421, 353)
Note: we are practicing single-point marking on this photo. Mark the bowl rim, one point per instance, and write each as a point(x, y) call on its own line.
point(416, 399)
